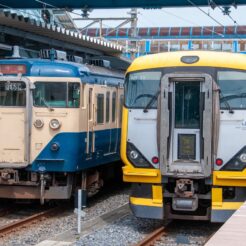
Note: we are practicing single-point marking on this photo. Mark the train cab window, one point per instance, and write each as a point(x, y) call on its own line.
point(232, 86)
point(73, 95)
point(56, 94)
point(100, 108)
point(107, 105)
point(141, 87)
point(12, 94)
point(113, 106)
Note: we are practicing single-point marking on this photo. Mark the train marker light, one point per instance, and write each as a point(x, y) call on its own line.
point(155, 160)
point(219, 162)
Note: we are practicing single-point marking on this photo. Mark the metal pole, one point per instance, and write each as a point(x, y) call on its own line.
point(79, 210)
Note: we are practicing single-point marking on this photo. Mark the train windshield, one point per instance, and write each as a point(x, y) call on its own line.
point(233, 89)
point(141, 88)
point(12, 94)
point(56, 94)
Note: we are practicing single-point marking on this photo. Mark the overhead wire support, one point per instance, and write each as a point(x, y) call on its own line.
point(211, 17)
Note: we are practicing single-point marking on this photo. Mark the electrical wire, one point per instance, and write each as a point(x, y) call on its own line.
point(204, 12)
point(191, 22)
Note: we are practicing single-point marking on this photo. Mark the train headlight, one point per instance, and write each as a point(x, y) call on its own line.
point(135, 157)
point(55, 124)
point(134, 154)
point(55, 147)
point(38, 123)
point(237, 162)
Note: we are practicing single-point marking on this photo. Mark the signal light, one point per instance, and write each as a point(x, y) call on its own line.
point(155, 160)
point(219, 162)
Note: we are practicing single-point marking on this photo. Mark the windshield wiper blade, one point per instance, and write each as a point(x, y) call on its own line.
point(225, 100)
point(152, 100)
point(47, 105)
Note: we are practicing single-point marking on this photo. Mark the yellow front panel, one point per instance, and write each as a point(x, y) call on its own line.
point(144, 202)
point(229, 178)
point(157, 194)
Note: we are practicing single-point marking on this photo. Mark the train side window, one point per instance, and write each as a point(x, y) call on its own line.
point(100, 108)
point(113, 106)
point(107, 105)
point(90, 104)
point(73, 95)
point(121, 106)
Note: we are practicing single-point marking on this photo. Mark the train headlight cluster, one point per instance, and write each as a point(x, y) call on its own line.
point(237, 162)
point(55, 124)
point(135, 157)
point(38, 123)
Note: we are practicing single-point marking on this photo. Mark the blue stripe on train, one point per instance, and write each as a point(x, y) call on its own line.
point(72, 156)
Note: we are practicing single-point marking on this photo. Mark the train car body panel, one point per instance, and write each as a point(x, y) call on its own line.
point(59, 120)
point(190, 140)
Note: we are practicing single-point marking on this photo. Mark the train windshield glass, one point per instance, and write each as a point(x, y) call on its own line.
point(12, 94)
point(56, 94)
point(233, 89)
point(141, 88)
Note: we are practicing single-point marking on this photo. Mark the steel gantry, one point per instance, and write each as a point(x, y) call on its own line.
point(99, 4)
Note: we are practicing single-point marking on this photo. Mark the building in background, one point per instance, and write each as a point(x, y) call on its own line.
point(151, 40)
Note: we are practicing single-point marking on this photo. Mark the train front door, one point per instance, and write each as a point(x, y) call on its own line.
point(15, 111)
point(186, 125)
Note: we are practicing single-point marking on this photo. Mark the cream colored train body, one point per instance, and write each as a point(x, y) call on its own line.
point(58, 120)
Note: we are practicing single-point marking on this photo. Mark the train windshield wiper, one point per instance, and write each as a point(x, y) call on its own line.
point(225, 99)
point(151, 101)
point(46, 104)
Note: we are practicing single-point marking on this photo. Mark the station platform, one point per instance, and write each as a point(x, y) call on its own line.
point(233, 232)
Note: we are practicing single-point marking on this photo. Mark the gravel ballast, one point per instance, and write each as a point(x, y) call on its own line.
point(109, 199)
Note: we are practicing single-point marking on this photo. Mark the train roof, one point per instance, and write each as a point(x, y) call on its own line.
point(173, 59)
point(48, 68)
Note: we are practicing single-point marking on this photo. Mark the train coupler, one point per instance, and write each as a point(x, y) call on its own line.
point(185, 198)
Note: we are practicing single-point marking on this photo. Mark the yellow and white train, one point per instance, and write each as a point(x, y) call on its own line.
point(59, 127)
point(183, 137)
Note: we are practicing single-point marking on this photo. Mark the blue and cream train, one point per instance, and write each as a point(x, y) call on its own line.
point(184, 135)
point(57, 120)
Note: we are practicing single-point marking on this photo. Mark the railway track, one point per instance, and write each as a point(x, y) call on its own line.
point(155, 236)
point(22, 223)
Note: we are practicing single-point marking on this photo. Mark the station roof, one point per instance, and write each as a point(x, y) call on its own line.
point(171, 32)
point(95, 4)
point(29, 25)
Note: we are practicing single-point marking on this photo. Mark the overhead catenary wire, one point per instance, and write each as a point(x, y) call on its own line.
point(191, 22)
point(204, 12)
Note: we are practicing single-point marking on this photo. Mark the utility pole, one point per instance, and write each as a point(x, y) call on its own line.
point(133, 35)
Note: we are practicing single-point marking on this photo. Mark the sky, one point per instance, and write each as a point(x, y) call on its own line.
point(171, 17)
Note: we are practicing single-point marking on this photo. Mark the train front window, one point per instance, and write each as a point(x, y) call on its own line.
point(232, 89)
point(56, 94)
point(12, 94)
point(141, 87)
